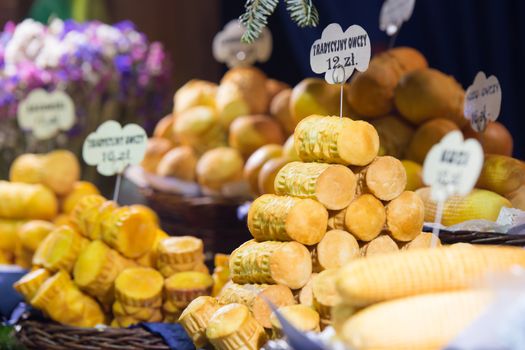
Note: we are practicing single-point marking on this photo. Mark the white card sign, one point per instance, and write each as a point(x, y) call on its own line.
point(46, 113)
point(228, 48)
point(394, 13)
point(338, 53)
point(452, 166)
point(482, 101)
point(113, 147)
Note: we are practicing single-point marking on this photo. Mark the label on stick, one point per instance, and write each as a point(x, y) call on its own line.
point(394, 13)
point(482, 101)
point(46, 113)
point(338, 53)
point(452, 166)
point(228, 48)
point(111, 148)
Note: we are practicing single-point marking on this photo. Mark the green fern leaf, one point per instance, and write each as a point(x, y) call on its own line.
point(255, 17)
point(303, 12)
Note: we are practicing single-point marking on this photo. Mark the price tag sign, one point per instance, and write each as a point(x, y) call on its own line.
point(111, 148)
point(452, 167)
point(46, 113)
point(228, 48)
point(394, 13)
point(337, 54)
point(482, 101)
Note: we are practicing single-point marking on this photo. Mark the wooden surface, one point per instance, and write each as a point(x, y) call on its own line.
point(186, 28)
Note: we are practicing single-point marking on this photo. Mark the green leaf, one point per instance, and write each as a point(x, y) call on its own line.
point(303, 12)
point(255, 17)
point(7, 339)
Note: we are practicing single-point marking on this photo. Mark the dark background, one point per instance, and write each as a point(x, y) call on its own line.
point(458, 37)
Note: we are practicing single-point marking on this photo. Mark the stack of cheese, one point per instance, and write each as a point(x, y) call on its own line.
point(42, 190)
point(420, 299)
point(107, 257)
point(299, 230)
point(100, 241)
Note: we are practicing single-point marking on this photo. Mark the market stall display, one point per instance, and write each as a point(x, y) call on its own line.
point(291, 240)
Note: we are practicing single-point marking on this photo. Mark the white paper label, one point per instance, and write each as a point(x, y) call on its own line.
point(482, 101)
point(46, 113)
point(113, 147)
point(337, 54)
point(228, 48)
point(452, 166)
point(394, 13)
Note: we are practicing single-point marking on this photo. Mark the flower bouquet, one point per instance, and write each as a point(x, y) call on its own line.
point(109, 71)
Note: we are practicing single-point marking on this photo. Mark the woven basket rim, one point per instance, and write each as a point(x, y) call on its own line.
point(35, 334)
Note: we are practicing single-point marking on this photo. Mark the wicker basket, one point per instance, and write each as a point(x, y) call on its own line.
point(39, 335)
point(214, 220)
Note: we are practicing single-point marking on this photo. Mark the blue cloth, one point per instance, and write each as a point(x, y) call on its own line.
point(172, 333)
point(9, 297)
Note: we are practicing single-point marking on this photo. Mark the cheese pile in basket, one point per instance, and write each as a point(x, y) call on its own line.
point(114, 265)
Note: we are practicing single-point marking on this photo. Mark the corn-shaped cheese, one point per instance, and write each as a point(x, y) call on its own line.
point(405, 216)
point(95, 220)
point(131, 232)
point(194, 319)
point(255, 296)
point(85, 208)
point(390, 276)
point(379, 245)
point(181, 250)
point(233, 327)
point(180, 254)
point(182, 287)
point(501, 174)
point(24, 201)
point(60, 249)
point(139, 286)
point(478, 204)
point(365, 217)
point(126, 315)
point(335, 250)
point(324, 292)
point(96, 269)
point(65, 303)
point(330, 184)
point(29, 284)
point(336, 140)
point(283, 218)
point(286, 263)
point(429, 321)
point(385, 178)
point(301, 317)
